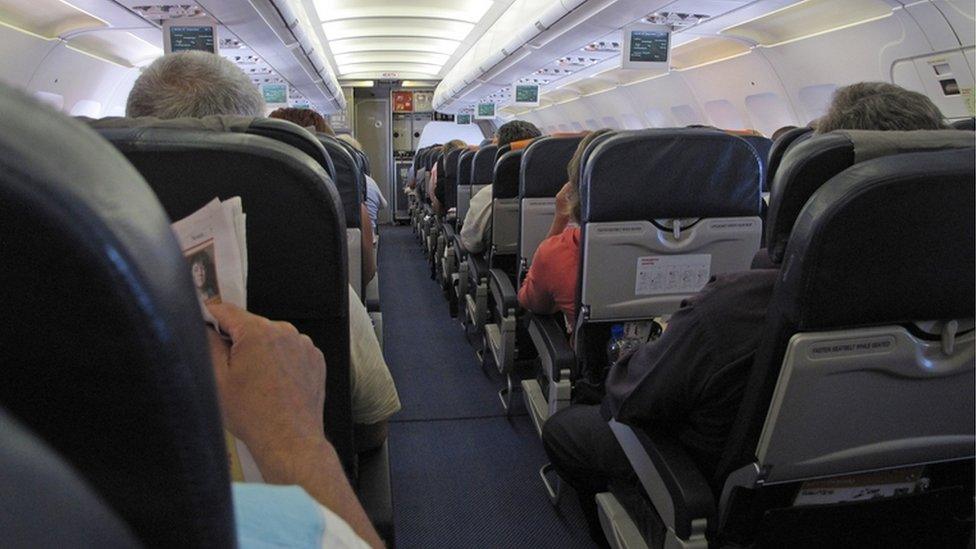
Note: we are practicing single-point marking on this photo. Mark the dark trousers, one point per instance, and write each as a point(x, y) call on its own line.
point(585, 454)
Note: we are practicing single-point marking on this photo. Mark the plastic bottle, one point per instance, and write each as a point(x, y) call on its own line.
point(619, 345)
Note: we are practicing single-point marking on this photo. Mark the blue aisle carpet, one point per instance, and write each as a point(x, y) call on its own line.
point(464, 476)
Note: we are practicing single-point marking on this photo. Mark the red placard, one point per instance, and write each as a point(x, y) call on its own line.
point(402, 101)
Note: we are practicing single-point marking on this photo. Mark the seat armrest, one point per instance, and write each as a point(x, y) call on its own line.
point(448, 230)
point(459, 250)
point(506, 299)
point(677, 488)
point(375, 490)
point(477, 267)
point(549, 337)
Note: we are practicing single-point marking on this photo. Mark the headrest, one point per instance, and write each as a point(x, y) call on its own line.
point(483, 166)
point(810, 163)
point(667, 174)
point(486, 142)
point(502, 149)
point(968, 124)
point(273, 128)
point(45, 503)
point(506, 181)
point(544, 163)
point(890, 240)
point(349, 179)
point(104, 350)
point(777, 150)
point(451, 162)
point(464, 169)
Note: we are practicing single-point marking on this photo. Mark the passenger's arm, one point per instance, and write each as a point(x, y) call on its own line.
point(476, 221)
point(271, 385)
point(369, 255)
point(563, 214)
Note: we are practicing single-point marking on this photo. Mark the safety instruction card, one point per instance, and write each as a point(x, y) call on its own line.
point(672, 274)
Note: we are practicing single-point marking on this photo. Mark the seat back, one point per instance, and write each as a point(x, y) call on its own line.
point(541, 175)
point(296, 238)
point(968, 124)
point(464, 171)
point(860, 367)
point(104, 351)
point(451, 178)
point(662, 211)
point(762, 146)
point(36, 481)
point(351, 184)
point(776, 152)
point(504, 213)
point(483, 168)
point(813, 161)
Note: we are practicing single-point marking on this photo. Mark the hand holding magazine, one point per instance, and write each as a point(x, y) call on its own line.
point(214, 244)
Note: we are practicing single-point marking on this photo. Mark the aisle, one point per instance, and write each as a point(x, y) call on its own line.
point(464, 475)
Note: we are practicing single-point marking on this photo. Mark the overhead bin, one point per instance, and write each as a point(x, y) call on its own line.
point(284, 44)
point(561, 27)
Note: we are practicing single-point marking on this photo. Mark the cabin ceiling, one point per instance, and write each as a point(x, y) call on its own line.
point(420, 39)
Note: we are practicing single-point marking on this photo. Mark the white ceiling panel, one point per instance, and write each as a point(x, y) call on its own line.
point(387, 37)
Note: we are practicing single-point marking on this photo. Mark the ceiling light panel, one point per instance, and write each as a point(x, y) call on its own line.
point(47, 18)
point(469, 11)
point(434, 45)
point(413, 68)
point(392, 57)
point(382, 26)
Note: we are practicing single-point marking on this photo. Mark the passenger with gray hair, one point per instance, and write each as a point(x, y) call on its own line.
point(879, 106)
point(193, 84)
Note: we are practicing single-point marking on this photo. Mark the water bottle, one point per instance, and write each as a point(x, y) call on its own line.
point(614, 345)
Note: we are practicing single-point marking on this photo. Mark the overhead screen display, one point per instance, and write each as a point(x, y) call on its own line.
point(526, 94)
point(646, 47)
point(186, 38)
point(462, 119)
point(485, 110)
point(275, 93)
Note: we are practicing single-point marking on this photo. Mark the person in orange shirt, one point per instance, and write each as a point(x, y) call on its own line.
point(550, 284)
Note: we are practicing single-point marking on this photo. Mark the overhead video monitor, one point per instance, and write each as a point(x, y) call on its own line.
point(275, 94)
point(527, 94)
point(486, 111)
point(195, 33)
point(462, 119)
point(646, 47)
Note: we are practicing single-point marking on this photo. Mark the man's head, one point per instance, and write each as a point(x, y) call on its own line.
point(306, 118)
point(516, 130)
point(193, 84)
point(453, 144)
point(879, 106)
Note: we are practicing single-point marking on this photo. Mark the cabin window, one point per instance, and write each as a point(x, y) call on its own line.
point(87, 107)
point(52, 100)
point(564, 128)
point(657, 119)
point(815, 100)
point(577, 127)
point(724, 115)
point(685, 115)
point(609, 122)
point(592, 124)
point(631, 122)
point(768, 112)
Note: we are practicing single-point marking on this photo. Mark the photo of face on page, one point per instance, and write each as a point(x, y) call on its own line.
point(204, 271)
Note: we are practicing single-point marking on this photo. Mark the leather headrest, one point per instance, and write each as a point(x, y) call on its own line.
point(506, 180)
point(890, 240)
point(465, 163)
point(777, 150)
point(761, 145)
point(810, 163)
point(104, 349)
point(483, 167)
point(669, 173)
point(544, 165)
point(451, 162)
point(349, 179)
